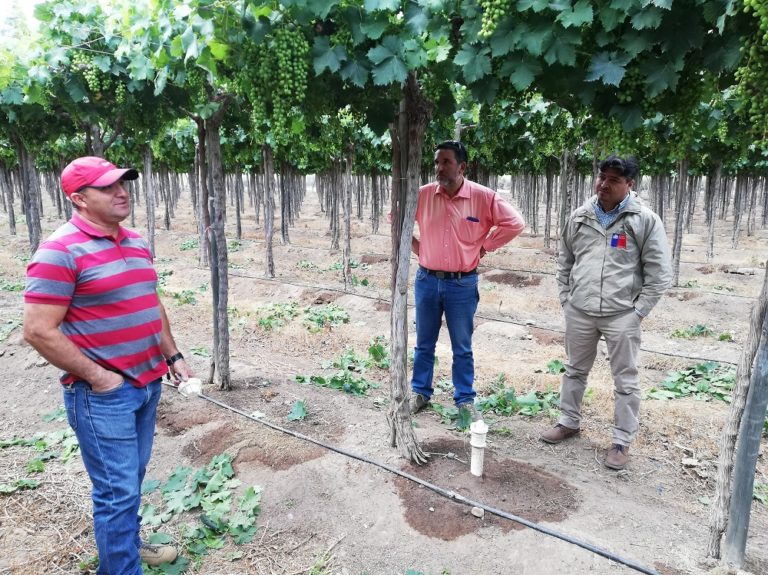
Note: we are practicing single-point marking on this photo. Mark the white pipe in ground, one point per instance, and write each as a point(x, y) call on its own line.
point(478, 429)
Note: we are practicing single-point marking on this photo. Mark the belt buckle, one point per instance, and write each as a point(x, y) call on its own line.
point(440, 275)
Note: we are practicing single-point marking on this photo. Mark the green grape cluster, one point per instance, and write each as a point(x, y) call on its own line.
point(84, 64)
point(342, 37)
point(292, 54)
point(684, 116)
point(493, 13)
point(752, 76)
point(274, 81)
point(631, 89)
point(650, 106)
point(610, 137)
point(196, 85)
point(253, 81)
point(760, 9)
point(120, 93)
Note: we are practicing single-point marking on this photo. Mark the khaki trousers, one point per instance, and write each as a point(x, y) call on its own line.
point(622, 336)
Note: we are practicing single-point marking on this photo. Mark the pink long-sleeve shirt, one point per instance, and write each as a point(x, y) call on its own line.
point(452, 230)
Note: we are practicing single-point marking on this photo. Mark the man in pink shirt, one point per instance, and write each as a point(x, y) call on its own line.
point(459, 222)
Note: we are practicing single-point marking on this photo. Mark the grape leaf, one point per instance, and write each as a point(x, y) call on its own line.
point(562, 50)
point(177, 479)
point(608, 67)
point(521, 72)
point(534, 39)
point(577, 15)
point(219, 50)
point(298, 412)
point(387, 57)
point(374, 27)
point(504, 38)
point(325, 56)
point(631, 117)
point(373, 5)
point(149, 486)
point(416, 19)
point(659, 76)
point(474, 61)
point(536, 5)
point(321, 8)
point(610, 18)
point(648, 18)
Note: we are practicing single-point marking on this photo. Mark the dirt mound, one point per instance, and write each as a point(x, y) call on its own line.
point(373, 259)
point(547, 337)
point(278, 452)
point(179, 422)
point(508, 485)
point(513, 279)
point(211, 443)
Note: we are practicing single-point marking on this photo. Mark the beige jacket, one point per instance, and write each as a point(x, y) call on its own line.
point(604, 272)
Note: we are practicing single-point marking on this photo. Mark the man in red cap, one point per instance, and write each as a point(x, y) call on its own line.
point(91, 309)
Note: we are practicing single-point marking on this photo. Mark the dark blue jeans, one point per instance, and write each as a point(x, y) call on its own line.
point(115, 431)
point(457, 299)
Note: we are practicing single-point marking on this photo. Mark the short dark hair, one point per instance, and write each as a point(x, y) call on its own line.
point(627, 167)
point(459, 150)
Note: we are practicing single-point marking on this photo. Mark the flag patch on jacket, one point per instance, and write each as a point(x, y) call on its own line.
point(619, 241)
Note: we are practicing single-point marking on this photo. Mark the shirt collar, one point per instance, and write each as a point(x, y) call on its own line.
point(462, 193)
point(617, 210)
point(84, 226)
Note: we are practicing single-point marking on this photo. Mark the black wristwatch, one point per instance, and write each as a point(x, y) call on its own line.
point(174, 358)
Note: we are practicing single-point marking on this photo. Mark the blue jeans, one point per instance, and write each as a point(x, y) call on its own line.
point(115, 431)
point(457, 299)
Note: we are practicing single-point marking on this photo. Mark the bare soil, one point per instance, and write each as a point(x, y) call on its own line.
point(346, 513)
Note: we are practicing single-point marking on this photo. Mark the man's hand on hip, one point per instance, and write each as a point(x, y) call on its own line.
point(110, 381)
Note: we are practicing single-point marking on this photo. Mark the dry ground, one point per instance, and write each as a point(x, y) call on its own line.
point(320, 507)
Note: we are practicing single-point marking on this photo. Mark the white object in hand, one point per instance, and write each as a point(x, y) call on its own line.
point(193, 386)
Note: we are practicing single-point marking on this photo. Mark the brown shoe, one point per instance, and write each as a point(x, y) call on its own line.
point(558, 433)
point(618, 457)
point(418, 402)
point(154, 555)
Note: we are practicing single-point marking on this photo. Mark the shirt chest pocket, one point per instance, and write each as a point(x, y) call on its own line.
point(470, 230)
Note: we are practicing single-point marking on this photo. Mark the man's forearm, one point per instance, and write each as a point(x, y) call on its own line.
point(167, 343)
point(62, 353)
point(168, 346)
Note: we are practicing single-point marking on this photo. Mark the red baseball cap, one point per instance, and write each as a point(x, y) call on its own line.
point(90, 171)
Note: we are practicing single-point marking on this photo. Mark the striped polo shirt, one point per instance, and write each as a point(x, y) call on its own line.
point(110, 290)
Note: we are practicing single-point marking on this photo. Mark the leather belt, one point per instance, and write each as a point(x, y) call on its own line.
point(441, 275)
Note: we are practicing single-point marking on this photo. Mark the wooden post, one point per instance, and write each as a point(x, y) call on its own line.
point(746, 456)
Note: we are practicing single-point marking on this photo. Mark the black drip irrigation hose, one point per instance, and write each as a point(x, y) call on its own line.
point(439, 490)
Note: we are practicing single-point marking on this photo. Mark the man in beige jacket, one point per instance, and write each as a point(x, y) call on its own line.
point(612, 269)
